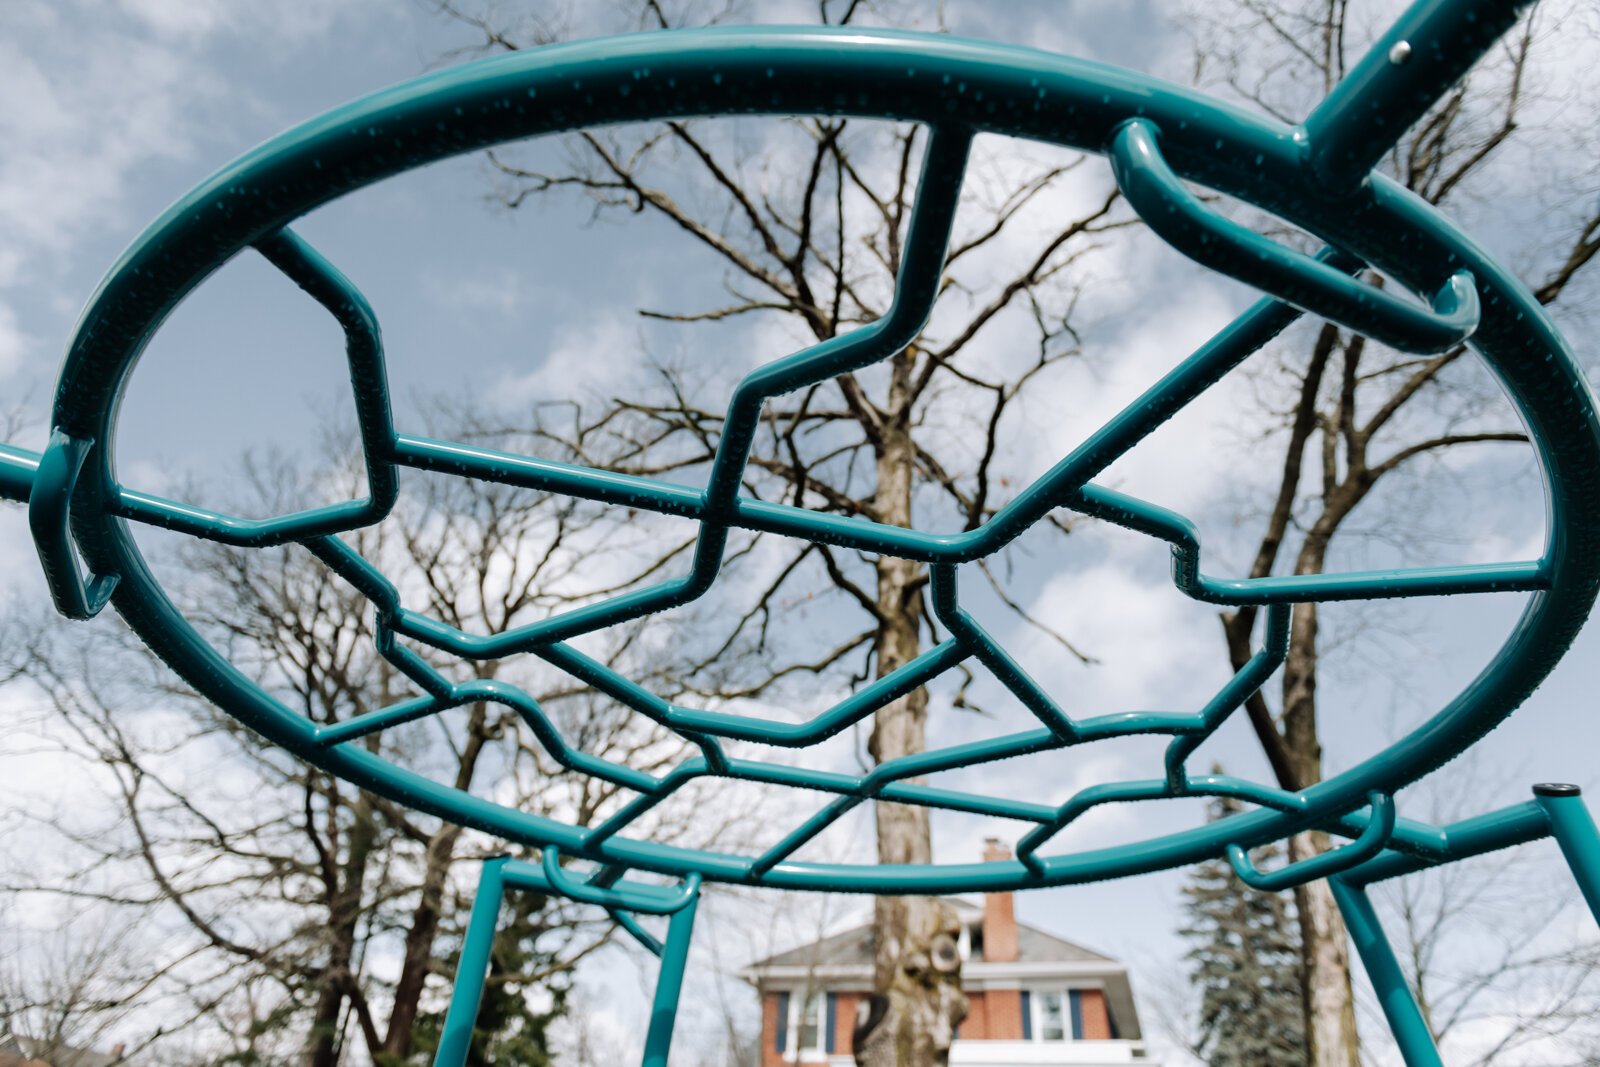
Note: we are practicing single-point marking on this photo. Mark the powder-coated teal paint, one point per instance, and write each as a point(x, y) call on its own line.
point(1157, 137)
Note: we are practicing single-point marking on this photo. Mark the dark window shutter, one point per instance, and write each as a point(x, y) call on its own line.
point(1027, 1016)
point(829, 1022)
point(1075, 1004)
point(780, 1037)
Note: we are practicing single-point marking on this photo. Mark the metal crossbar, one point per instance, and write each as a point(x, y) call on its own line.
point(1156, 137)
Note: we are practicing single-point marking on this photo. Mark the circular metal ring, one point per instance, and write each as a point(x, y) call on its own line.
point(943, 83)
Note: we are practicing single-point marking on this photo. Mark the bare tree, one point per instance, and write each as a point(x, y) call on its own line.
point(71, 989)
point(814, 239)
point(1349, 415)
point(286, 883)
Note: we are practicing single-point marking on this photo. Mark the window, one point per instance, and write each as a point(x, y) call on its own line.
point(805, 1025)
point(1052, 1020)
point(1052, 1015)
point(810, 1024)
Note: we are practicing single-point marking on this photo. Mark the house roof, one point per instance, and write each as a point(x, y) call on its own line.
point(855, 947)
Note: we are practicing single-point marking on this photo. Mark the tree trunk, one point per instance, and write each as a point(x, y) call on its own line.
point(916, 967)
point(1330, 1011)
point(1324, 944)
point(344, 912)
point(418, 955)
point(322, 1048)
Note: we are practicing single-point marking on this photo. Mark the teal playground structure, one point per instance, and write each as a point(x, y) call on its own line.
point(1157, 137)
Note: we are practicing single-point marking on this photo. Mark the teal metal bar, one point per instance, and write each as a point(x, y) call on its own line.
point(1248, 681)
point(369, 378)
point(1230, 248)
point(324, 283)
point(472, 972)
point(18, 467)
point(669, 984)
point(635, 897)
point(618, 897)
point(1427, 50)
point(1417, 847)
point(1405, 1019)
point(645, 938)
point(50, 520)
point(1573, 827)
point(1363, 848)
point(953, 90)
point(1157, 137)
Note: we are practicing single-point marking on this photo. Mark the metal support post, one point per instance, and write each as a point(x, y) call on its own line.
point(1410, 1029)
point(664, 1009)
point(472, 972)
point(1573, 827)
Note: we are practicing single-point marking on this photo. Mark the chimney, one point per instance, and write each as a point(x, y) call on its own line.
point(999, 912)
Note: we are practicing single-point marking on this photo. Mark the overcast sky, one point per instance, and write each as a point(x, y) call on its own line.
point(109, 111)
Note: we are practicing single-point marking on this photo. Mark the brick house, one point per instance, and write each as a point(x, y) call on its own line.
point(1036, 1000)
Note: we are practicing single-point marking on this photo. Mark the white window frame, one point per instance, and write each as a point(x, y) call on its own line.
point(1036, 995)
point(794, 1052)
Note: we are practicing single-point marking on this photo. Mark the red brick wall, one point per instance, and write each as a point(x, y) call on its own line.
point(844, 1022)
point(1096, 1019)
point(770, 1056)
point(1002, 1015)
point(975, 1027)
point(844, 1025)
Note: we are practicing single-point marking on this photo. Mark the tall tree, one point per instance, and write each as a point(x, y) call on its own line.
point(285, 883)
point(1349, 415)
point(1245, 961)
point(815, 240)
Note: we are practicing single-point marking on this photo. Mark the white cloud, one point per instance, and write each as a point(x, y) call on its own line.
point(14, 344)
point(89, 95)
point(501, 294)
point(590, 360)
point(87, 128)
point(180, 18)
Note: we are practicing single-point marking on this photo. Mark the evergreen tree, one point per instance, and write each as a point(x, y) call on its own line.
point(1245, 960)
point(509, 1027)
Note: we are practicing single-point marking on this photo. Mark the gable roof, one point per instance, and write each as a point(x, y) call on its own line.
point(854, 947)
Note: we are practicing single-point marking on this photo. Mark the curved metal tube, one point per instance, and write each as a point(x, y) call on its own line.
point(955, 88)
point(643, 899)
point(1363, 848)
point(1180, 219)
point(18, 466)
point(50, 520)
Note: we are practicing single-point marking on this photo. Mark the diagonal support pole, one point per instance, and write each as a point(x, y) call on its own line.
point(674, 960)
point(1558, 811)
point(1410, 1029)
point(472, 972)
point(501, 873)
point(1427, 50)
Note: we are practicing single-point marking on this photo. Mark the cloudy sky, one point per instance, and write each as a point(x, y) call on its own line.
point(109, 111)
